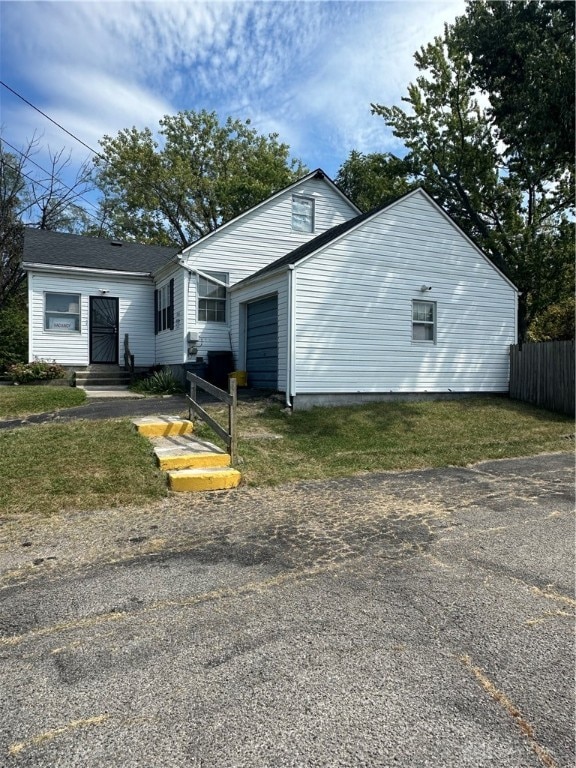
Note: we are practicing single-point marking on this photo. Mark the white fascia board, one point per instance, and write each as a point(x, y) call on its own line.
point(185, 251)
point(30, 266)
point(253, 280)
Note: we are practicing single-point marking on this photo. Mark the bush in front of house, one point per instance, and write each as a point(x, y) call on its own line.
point(38, 370)
point(160, 383)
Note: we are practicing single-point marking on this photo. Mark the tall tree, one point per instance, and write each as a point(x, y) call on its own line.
point(515, 207)
point(53, 204)
point(522, 55)
point(195, 176)
point(374, 179)
point(31, 195)
point(12, 197)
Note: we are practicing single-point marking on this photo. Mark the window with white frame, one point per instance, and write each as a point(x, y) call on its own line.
point(302, 214)
point(212, 297)
point(62, 312)
point(424, 321)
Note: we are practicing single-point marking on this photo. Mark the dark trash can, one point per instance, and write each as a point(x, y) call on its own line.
point(220, 364)
point(200, 368)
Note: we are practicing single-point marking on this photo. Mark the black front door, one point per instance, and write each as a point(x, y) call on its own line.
point(103, 330)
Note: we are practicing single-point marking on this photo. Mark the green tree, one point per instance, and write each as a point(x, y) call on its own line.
point(374, 179)
point(12, 201)
point(14, 329)
point(195, 176)
point(33, 196)
point(522, 55)
point(514, 207)
point(555, 323)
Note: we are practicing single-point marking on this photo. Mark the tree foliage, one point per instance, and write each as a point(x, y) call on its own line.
point(522, 55)
point(374, 179)
point(12, 197)
point(195, 176)
point(33, 196)
point(488, 177)
point(30, 195)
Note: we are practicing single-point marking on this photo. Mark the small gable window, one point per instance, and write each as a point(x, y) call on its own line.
point(164, 308)
point(212, 297)
point(424, 321)
point(302, 214)
point(62, 312)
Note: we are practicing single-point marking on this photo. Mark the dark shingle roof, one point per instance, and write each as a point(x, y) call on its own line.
point(58, 249)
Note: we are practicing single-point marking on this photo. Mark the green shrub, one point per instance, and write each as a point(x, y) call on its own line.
point(38, 370)
point(160, 383)
point(13, 331)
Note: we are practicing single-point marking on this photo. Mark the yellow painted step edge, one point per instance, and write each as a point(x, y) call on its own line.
point(220, 480)
point(193, 460)
point(163, 429)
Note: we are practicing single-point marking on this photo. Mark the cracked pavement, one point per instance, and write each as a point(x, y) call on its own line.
point(389, 619)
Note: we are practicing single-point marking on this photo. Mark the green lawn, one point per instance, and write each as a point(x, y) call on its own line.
point(335, 442)
point(79, 465)
point(87, 465)
point(18, 401)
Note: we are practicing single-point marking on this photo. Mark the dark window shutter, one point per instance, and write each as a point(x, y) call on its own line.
point(171, 306)
point(156, 303)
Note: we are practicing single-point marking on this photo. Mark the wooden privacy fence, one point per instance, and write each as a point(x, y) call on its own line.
point(543, 374)
point(230, 398)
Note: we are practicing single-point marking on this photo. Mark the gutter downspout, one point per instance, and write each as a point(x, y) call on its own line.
point(290, 377)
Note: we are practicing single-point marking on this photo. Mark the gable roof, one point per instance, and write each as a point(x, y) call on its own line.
point(324, 239)
point(317, 174)
point(46, 248)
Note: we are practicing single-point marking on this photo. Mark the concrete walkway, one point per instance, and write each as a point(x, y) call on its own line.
point(107, 404)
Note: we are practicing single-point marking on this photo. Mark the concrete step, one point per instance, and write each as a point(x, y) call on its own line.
point(163, 426)
point(102, 379)
point(184, 452)
point(210, 479)
point(192, 465)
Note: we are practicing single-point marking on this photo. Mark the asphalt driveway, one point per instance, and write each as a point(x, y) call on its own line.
point(397, 619)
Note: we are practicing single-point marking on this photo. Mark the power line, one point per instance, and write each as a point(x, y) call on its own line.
point(94, 152)
point(52, 175)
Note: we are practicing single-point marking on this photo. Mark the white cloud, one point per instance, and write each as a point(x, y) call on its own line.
point(306, 70)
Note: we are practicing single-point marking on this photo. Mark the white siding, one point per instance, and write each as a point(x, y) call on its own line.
point(136, 316)
point(253, 242)
point(171, 344)
point(354, 309)
point(265, 287)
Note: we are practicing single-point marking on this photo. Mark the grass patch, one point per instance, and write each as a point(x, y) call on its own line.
point(88, 465)
point(81, 465)
point(16, 402)
point(335, 442)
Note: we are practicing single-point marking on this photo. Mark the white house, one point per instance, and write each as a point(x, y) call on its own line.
point(310, 297)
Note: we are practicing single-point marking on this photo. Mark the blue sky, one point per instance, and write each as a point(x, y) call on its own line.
point(306, 70)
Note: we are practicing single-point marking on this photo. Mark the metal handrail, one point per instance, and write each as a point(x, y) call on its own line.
point(230, 398)
point(128, 356)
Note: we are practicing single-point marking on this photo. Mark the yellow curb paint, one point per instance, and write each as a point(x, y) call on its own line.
point(193, 461)
point(190, 480)
point(164, 428)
